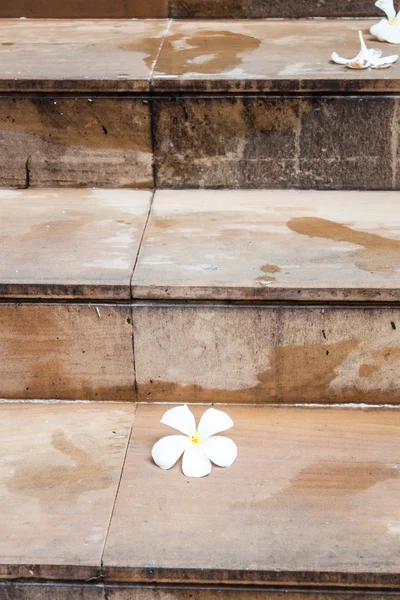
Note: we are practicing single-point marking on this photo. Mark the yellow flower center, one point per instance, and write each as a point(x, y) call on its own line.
point(196, 439)
point(392, 21)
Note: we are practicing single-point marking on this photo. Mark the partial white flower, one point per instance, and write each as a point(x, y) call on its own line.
point(199, 445)
point(387, 30)
point(366, 58)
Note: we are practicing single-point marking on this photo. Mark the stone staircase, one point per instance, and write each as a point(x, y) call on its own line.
point(197, 211)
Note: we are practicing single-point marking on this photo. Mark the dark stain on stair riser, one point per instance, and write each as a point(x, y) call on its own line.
point(64, 141)
point(90, 9)
point(221, 9)
point(259, 9)
point(277, 142)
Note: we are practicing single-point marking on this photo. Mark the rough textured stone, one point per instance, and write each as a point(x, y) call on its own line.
point(160, 592)
point(69, 352)
point(56, 591)
point(226, 142)
point(337, 149)
point(257, 9)
point(81, 9)
point(275, 142)
point(267, 354)
point(73, 142)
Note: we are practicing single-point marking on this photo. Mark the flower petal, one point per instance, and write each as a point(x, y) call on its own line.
point(213, 421)
point(384, 63)
point(387, 7)
point(169, 449)
point(221, 450)
point(386, 32)
point(180, 418)
point(195, 462)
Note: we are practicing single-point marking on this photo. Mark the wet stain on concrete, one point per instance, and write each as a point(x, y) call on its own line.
point(208, 51)
point(378, 253)
point(295, 374)
point(270, 269)
point(61, 483)
point(338, 479)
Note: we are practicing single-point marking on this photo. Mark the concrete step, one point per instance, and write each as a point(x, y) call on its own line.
point(308, 510)
point(210, 104)
point(201, 296)
point(222, 9)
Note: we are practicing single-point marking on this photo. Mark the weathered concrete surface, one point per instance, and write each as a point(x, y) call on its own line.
point(268, 56)
point(59, 464)
point(85, 9)
point(261, 9)
point(277, 142)
point(311, 498)
point(75, 142)
point(267, 354)
point(70, 352)
point(78, 56)
point(270, 245)
point(70, 243)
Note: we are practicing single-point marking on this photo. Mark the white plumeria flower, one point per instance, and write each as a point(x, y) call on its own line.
point(199, 445)
point(387, 30)
point(366, 58)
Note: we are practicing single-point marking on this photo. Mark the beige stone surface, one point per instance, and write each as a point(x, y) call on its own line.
point(66, 351)
point(312, 498)
point(276, 245)
point(70, 243)
point(75, 142)
point(87, 55)
point(249, 56)
point(245, 354)
point(239, 592)
point(59, 470)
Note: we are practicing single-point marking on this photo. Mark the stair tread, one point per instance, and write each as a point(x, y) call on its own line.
point(282, 245)
point(67, 55)
point(60, 463)
point(70, 243)
point(311, 500)
point(200, 245)
point(268, 56)
point(243, 56)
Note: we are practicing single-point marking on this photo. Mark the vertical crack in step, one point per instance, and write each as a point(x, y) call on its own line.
point(28, 173)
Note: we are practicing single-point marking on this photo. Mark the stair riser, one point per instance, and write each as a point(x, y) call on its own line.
point(16, 591)
point(261, 355)
point(75, 142)
point(66, 352)
point(201, 354)
point(211, 142)
point(224, 9)
point(277, 142)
